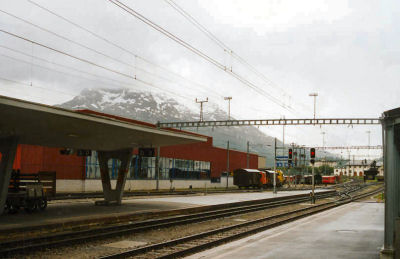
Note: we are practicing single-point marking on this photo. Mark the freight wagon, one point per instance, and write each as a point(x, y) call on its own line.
point(330, 179)
point(249, 178)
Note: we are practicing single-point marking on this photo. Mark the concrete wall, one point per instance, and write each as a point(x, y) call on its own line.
point(94, 185)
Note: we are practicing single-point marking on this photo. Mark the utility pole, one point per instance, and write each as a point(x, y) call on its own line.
point(283, 139)
point(227, 164)
point(312, 161)
point(313, 186)
point(248, 155)
point(315, 101)
point(369, 140)
point(323, 148)
point(274, 165)
point(229, 98)
point(201, 107)
point(158, 168)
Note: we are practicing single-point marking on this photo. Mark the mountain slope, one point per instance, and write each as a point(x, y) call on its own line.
point(151, 108)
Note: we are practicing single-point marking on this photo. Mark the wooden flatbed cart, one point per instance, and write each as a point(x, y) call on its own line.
point(29, 191)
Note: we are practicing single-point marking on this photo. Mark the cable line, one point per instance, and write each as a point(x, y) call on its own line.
point(60, 72)
point(120, 47)
point(90, 62)
point(88, 48)
point(193, 49)
point(44, 88)
point(212, 37)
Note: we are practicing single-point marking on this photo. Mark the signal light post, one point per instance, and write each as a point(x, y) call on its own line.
point(312, 161)
point(275, 165)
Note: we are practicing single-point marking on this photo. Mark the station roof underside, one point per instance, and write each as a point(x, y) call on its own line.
point(38, 124)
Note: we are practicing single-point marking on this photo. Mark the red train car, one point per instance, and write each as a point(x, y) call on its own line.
point(329, 179)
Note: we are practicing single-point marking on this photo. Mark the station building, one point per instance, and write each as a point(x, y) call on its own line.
point(356, 168)
point(181, 166)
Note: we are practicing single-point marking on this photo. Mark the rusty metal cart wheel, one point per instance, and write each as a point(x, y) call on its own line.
point(42, 204)
point(30, 206)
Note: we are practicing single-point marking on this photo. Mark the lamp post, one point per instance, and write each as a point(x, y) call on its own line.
point(369, 140)
point(323, 148)
point(229, 98)
point(227, 165)
point(315, 101)
point(274, 165)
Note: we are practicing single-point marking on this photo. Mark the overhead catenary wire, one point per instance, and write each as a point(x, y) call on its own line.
point(221, 44)
point(64, 73)
point(92, 49)
point(209, 90)
point(124, 49)
point(64, 66)
point(91, 63)
point(193, 49)
point(35, 86)
point(117, 84)
point(136, 56)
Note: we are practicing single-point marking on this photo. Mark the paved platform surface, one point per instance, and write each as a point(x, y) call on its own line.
point(72, 210)
point(354, 230)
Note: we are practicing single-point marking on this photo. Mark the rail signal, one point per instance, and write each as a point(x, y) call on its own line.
point(312, 155)
point(290, 156)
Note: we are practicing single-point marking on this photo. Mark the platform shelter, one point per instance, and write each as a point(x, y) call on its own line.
point(23, 122)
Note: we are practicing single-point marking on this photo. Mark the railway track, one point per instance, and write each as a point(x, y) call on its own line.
point(66, 238)
point(10, 248)
point(74, 196)
point(198, 242)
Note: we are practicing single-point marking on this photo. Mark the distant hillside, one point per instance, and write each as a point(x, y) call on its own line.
point(151, 107)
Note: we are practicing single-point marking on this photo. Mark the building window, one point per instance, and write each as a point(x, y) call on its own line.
point(145, 168)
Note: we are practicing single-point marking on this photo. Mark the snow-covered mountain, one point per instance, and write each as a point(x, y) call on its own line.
point(150, 107)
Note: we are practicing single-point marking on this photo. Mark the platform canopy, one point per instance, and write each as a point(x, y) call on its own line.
point(44, 125)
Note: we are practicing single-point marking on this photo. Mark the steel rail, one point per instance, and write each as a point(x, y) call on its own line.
point(195, 243)
point(36, 243)
point(73, 196)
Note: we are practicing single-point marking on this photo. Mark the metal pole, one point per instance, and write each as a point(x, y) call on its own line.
point(369, 141)
point(315, 104)
point(158, 168)
point(274, 165)
point(248, 155)
point(323, 148)
point(229, 109)
point(283, 140)
point(313, 186)
point(227, 164)
point(229, 98)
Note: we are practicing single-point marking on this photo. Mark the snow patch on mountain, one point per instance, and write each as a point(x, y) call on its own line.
point(151, 107)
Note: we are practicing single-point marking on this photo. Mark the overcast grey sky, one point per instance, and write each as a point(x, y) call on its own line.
point(347, 51)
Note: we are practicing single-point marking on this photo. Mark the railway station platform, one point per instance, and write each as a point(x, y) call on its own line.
point(355, 230)
point(64, 213)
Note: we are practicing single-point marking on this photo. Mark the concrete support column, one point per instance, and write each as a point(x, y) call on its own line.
point(391, 142)
point(113, 196)
point(8, 148)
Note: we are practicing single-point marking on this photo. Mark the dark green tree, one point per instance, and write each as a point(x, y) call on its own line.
point(324, 170)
